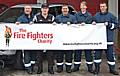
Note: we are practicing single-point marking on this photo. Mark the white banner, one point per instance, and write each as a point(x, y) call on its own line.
point(52, 37)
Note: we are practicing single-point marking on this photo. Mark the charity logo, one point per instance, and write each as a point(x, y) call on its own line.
point(8, 34)
point(40, 37)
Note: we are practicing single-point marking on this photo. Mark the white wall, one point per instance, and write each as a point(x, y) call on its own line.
point(113, 7)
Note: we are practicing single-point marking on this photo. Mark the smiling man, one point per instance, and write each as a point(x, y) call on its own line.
point(44, 17)
point(111, 23)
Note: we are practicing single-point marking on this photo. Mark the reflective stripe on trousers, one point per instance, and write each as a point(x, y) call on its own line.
point(98, 61)
point(77, 62)
point(89, 62)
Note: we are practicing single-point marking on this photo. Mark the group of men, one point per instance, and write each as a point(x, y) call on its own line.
point(33, 60)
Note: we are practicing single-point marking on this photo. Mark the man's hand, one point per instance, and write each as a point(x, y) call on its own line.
point(93, 23)
point(17, 23)
point(83, 23)
point(54, 23)
point(31, 23)
point(68, 23)
point(106, 23)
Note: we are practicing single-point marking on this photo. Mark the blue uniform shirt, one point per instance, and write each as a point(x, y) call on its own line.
point(86, 18)
point(64, 19)
point(112, 23)
point(24, 19)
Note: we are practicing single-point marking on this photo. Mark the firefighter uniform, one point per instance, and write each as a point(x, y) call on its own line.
point(28, 55)
point(85, 18)
point(68, 53)
point(38, 18)
point(111, 24)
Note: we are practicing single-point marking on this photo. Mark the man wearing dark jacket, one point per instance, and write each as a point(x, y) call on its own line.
point(44, 17)
point(111, 23)
point(28, 55)
point(83, 17)
point(64, 18)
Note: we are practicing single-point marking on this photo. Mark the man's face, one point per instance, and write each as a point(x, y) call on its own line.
point(103, 8)
point(28, 9)
point(65, 10)
point(45, 10)
point(83, 7)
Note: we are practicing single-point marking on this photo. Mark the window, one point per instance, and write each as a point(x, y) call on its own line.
point(11, 15)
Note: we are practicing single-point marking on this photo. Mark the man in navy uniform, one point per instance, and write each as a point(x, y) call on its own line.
point(83, 17)
point(111, 23)
point(64, 18)
point(44, 17)
point(28, 55)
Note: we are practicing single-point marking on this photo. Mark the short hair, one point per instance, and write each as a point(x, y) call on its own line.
point(104, 2)
point(84, 2)
point(45, 5)
point(28, 5)
point(64, 5)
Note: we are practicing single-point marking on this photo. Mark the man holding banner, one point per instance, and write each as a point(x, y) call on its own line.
point(64, 18)
point(28, 55)
point(111, 23)
point(83, 17)
point(44, 17)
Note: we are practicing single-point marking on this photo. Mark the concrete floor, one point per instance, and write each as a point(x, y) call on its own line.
point(83, 71)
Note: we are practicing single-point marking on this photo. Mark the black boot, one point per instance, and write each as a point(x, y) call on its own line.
point(35, 69)
point(90, 68)
point(59, 69)
point(40, 69)
point(112, 70)
point(97, 69)
point(68, 69)
point(50, 70)
point(29, 70)
point(76, 68)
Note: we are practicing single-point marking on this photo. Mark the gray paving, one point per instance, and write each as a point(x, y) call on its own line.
point(82, 72)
